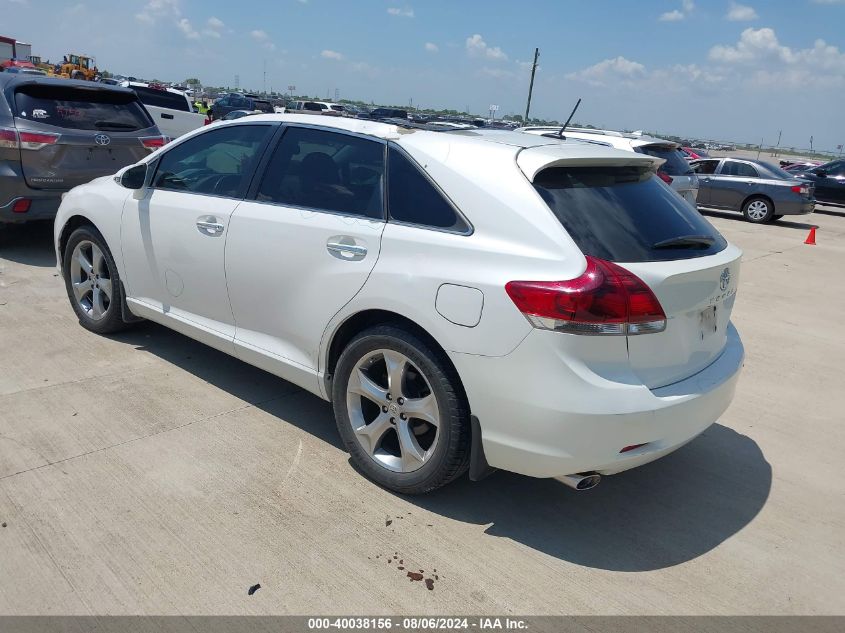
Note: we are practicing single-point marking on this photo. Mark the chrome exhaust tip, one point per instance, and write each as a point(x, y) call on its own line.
point(581, 481)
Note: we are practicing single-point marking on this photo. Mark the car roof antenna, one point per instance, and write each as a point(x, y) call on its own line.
point(572, 114)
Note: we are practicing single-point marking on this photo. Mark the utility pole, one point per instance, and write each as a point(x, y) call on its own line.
point(775, 153)
point(759, 148)
point(264, 86)
point(531, 85)
point(811, 144)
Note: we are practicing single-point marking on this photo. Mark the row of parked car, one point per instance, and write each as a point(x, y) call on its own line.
point(56, 134)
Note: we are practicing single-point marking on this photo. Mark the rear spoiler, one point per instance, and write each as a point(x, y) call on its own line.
point(533, 160)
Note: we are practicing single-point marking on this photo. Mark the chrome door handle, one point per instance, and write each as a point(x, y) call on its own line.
point(349, 252)
point(210, 227)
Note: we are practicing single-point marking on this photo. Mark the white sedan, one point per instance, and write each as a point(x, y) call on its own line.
point(466, 299)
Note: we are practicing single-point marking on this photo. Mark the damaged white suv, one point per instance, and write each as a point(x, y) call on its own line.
point(467, 299)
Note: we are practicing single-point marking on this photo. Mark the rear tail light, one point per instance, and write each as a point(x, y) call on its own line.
point(605, 300)
point(665, 177)
point(8, 138)
point(802, 189)
point(632, 447)
point(30, 140)
point(154, 142)
point(21, 205)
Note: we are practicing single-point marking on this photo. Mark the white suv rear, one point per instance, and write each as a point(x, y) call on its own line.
point(675, 171)
point(466, 299)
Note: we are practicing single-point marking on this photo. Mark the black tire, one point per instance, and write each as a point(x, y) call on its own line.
point(748, 210)
point(775, 218)
point(112, 319)
point(451, 451)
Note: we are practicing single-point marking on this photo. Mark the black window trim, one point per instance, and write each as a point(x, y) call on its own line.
point(260, 172)
point(262, 150)
point(470, 228)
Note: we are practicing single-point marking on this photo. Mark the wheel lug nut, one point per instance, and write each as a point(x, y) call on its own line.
point(403, 416)
point(401, 400)
point(384, 409)
point(389, 397)
point(393, 420)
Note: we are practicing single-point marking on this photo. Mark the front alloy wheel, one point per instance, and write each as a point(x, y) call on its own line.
point(90, 280)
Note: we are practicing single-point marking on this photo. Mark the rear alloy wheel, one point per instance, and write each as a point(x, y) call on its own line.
point(758, 210)
point(92, 282)
point(400, 411)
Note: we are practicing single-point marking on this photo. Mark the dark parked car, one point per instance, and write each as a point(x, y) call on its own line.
point(385, 113)
point(56, 134)
point(232, 102)
point(829, 180)
point(760, 190)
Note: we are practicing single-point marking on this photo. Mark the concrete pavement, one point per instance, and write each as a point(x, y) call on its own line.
point(146, 474)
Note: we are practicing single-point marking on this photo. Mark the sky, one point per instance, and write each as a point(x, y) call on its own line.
point(712, 69)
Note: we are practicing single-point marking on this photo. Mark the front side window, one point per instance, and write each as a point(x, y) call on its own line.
point(217, 162)
point(413, 199)
point(734, 168)
point(326, 171)
point(705, 166)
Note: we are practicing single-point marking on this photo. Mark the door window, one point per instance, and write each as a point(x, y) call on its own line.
point(705, 166)
point(734, 168)
point(326, 171)
point(413, 199)
point(835, 170)
point(217, 162)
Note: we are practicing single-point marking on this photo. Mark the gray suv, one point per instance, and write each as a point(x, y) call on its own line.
point(59, 133)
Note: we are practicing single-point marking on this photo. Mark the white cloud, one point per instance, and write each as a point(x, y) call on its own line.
point(431, 47)
point(477, 47)
point(676, 15)
point(156, 9)
point(407, 12)
point(75, 9)
point(329, 54)
point(497, 73)
point(671, 16)
point(608, 70)
point(741, 13)
point(187, 29)
point(258, 35)
point(215, 23)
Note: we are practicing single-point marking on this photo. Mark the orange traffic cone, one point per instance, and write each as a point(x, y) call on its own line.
point(811, 238)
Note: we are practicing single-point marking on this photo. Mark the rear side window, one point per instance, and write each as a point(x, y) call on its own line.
point(625, 214)
point(326, 171)
point(80, 109)
point(705, 166)
point(162, 98)
point(218, 162)
point(676, 164)
point(733, 168)
point(412, 198)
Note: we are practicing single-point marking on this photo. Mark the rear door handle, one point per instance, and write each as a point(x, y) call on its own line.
point(343, 249)
point(208, 225)
point(166, 116)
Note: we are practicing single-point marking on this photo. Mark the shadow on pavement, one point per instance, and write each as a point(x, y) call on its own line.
point(30, 244)
point(656, 516)
point(727, 215)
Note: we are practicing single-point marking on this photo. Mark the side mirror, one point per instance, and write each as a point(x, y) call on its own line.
point(134, 177)
point(821, 173)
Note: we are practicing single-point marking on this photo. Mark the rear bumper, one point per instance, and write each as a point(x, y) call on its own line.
point(543, 415)
point(13, 187)
point(800, 207)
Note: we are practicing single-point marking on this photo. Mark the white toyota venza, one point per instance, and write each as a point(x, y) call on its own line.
point(466, 299)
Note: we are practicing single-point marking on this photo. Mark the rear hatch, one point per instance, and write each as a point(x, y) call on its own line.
point(623, 214)
point(71, 134)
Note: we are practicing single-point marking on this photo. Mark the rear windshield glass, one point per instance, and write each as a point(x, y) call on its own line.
point(676, 164)
point(263, 106)
point(77, 109)
point(625, 214)
point(162, 98)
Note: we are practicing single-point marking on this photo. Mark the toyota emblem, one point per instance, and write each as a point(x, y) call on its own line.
point(725, 279)
point(102, 139)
